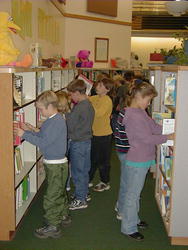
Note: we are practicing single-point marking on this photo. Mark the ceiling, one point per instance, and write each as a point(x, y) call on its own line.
point(151, 17)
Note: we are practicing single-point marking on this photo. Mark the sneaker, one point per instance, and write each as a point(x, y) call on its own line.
point(142, 225)
point(66, 221)
point(48, 231)
point(77, 204)
point(136, 236)
point(88, 197)
point(68, 189)
point(101, 187)
point(90, 184)
point(118, 216)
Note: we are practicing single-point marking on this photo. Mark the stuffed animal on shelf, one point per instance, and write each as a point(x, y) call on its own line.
point(83, 57)
point(8, 52)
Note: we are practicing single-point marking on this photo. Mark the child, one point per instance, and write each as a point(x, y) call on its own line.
point(79, 122)
point(64, 102)
point(52, 141)
point(143, 134)
point(122, 147)
point(102, 132)
point(64, 106)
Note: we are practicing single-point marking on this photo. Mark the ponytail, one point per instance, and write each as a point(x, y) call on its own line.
point(144, 88)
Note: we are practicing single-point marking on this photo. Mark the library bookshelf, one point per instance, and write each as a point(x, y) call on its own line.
point(21, 177)
point(172, 167)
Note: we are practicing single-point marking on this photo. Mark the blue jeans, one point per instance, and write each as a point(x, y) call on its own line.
point(135, 178)
point(122, 187)
point(79, 153)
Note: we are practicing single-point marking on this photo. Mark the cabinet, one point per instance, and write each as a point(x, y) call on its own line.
point(171, 182)
point(21, 168)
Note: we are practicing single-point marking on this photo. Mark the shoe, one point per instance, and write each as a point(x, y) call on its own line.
point(118, 216)
point(68, 189)
point(66, 221)
point(90, 184)
point(101, 187)
point(48, 231)
point(136, 236)
point(142, 225)
point(88, 197)
point(77, 204)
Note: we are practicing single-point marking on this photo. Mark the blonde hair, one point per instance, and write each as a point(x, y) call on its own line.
point(48, 97)
point(63, 102)
point(144, 88)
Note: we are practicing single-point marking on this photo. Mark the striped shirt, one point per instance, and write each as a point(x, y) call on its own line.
point(121, 140)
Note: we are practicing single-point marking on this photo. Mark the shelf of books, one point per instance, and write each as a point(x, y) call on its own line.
point(172, 167)
point(22, 172)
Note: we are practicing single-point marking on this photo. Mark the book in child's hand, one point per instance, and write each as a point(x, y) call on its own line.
point(88, 83)
point(168, 128)
point(17, 139)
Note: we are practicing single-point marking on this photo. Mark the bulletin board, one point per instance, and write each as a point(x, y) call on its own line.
point(104, 7)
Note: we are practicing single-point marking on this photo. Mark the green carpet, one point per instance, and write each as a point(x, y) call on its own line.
point(96, 228)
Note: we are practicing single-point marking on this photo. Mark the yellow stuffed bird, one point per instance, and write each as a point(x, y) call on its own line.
point(8, 53)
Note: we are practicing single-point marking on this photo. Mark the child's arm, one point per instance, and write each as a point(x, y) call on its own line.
point(156, 128)
point(138, 128)
point(29, 127)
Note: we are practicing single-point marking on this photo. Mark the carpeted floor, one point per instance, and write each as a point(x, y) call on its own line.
point(96, 228)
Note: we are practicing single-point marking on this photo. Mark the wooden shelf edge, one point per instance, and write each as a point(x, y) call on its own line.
point(183, 241)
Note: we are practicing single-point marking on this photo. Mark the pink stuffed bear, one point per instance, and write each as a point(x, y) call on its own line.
point(83, 56)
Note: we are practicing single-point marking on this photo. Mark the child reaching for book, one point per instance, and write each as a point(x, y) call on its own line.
point(52, 141)
point(143, 134)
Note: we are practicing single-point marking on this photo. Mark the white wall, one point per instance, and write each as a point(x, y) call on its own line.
point(143, 46)
point(80, 34)
point(48, 49)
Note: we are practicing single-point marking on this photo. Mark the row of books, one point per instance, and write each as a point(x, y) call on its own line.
point(166, 160)
point(59, 80)
point(19, 117)
point(164, 198)
point(23, 192)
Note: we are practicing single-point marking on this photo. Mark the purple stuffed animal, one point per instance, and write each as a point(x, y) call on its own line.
point(83, 57)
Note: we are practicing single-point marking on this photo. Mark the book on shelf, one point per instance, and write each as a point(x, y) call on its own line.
point(158, 117)
point(164, 196)
point(22, 192)
point(18, 160)
point(168, 128)
point(19, 117)
point(40, 82)
point(170, 91)
point(56, 80)
point(17, 90)
point(89, 84)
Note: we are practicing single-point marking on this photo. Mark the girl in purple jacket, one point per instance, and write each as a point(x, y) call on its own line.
point(143, 134)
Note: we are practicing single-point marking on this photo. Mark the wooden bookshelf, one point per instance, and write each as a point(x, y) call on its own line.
point(177, 226)
point(11, 213)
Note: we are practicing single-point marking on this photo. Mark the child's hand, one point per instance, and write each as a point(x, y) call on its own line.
point(18, 131)
point(25, 126)
point(171, 136)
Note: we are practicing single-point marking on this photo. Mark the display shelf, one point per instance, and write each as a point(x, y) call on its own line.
point(22, 181)
point(173, 89)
